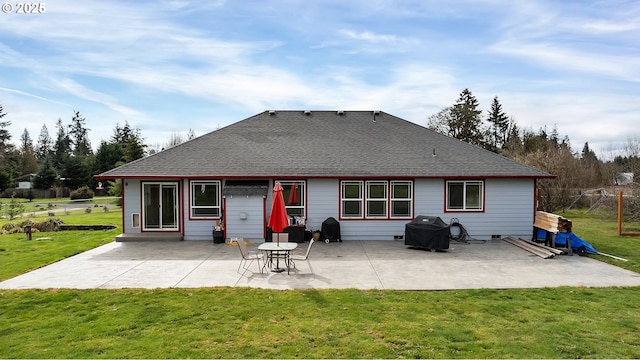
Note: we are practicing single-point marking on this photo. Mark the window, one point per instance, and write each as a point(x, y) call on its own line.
point(294, 197)
point(465, 195)
point(401, 199)
point(376, 199)
point(205, 199)
point(352, 199)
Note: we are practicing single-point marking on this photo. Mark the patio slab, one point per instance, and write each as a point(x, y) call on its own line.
point(349, 264)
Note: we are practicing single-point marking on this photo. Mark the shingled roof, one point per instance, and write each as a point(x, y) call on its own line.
point(323, 144)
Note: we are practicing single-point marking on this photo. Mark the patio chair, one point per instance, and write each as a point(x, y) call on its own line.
point(304, 257)
point(248, 257)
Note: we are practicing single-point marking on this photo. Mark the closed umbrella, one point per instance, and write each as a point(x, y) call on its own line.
point(278, 219)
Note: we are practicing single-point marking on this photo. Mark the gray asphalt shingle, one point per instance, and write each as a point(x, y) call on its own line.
point(324, 144)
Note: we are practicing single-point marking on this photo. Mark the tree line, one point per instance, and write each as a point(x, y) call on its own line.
point(67, 159)
point(544, 149)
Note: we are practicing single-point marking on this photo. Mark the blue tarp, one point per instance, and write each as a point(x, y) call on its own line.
point(576, 242)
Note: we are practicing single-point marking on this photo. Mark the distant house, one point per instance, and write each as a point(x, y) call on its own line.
point(370, 170)
point(25, 181)
point(624, 178)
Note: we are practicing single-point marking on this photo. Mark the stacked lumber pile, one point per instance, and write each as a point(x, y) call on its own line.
point(551, 222)
point(543, 251)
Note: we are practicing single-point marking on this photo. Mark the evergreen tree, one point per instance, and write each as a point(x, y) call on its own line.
point(46, 177)
point(466, 121)
point(44, 148)
point(108, 156)
point(28, 160)
point(76, 172)
point(61, 148)
point(5, 137)
point(131, 141)
point(6, 172)
point(588, 156)
point(120, 134)
point(513, 145)
point(78, 134)
point(499, 125)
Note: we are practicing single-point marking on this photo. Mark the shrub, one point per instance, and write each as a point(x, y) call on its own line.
point(15, 208)
point(9, 226)
point(49, 225)
point(82, 193)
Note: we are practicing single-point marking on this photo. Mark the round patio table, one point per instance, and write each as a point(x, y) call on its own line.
point(280, 248)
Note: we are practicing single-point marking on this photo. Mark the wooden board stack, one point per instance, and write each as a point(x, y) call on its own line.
point(551, 222)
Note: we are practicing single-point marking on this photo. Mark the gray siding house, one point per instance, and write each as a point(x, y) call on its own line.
point(370, 170)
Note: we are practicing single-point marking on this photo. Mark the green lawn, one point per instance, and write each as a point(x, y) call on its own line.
point(600, 229)
point(18, 255)
point(254, 323)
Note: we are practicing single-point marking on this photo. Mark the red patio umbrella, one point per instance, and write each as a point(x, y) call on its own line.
point(278, 219)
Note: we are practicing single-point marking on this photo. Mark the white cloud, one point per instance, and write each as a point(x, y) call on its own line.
point(33, 96)
point(369, 36)
point(549, 62)
point(85, 93)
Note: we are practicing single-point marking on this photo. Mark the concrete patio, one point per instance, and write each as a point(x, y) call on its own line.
point(350, 264)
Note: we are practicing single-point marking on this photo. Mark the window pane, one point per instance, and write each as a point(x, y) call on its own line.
point(401, 191)
point(295, 211)
point(377, 190)
point(352, 191)
point(205, 212)
point(455, 195)
point(293, 193)
point(474, 191)
point(205, 195)
point(400, 208)
point(352, 208)
point(376, 208)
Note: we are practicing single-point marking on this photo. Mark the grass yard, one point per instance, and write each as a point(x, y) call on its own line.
point(17, 255)
point(254, 323)
point(600, 229)
point(250, 323)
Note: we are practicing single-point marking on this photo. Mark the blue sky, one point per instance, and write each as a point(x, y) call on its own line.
point(170, 66)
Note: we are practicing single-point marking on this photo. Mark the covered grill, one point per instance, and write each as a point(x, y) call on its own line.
point(427, 232)
point(331, 230)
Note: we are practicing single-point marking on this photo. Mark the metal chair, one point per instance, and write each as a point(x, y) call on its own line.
point(248, 257)
point(304, 257)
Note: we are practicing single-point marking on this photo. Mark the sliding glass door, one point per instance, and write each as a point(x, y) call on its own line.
point(160, 211)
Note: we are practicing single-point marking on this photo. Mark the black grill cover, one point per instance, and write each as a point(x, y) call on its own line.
point(427, 232)
point(331, 229)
